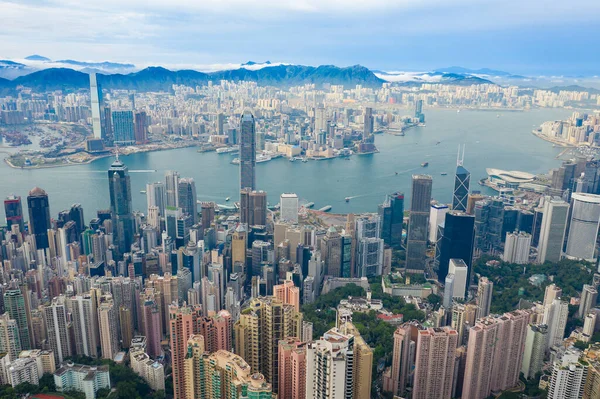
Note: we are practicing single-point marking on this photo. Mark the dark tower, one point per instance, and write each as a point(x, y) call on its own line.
point(13, 209)
point(457, 242)
point(120, 205)
point(461, 184)
point(39, 216)
point(247, 152)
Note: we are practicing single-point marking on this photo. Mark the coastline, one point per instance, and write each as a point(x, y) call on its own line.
point(551, 140)
point(96, 157)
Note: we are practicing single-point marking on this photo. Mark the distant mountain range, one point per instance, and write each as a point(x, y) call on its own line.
point(161, 79)
point(479, 72)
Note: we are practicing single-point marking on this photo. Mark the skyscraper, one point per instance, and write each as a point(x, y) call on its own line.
point(39, 216)
point(13, 210)
point(120, 205)
point(516, 247)
point(461, 184)
point(14, 304)
point(253, 207)
point(96, 97)
point(368, 123)
point(589, 299)
point(583, 227)
point(85, 324)
point(10, 342)
point(247, 151)
point(182, 325)
point(418, 223)
point(55, 316)
point(292, 369)
point(107, 325)
point(555, 317)
point(552, 231)
point(288, 205)
point(535, 347)
point(141, 127)
point(402, 359)
point(484, 297)
point(186, 197)
point(172, 187)
point(265, 322)
point(434, 365)
point(123, 127)
point(391, 213)
point(437, 216)
point(457, 242)
point(568, 377)
point(329, 366)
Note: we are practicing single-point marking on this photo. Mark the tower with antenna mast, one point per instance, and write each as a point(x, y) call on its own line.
point(461, 182)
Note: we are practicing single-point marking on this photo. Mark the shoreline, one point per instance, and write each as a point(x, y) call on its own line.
point(95, 158)
point(552, 140)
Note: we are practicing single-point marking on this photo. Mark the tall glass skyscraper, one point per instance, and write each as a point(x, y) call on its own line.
point(120, 205)
point(13, 209)
point(186, 197)
point(123, 127)
point(247, 151)
point(391, 213)
point(14, 304)
point(96, 97)
point(457, 242)
point(39, 216)
point(461, 184)
point(418, 223)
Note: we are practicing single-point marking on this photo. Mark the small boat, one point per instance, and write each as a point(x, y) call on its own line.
point(443, 173)
point(227, 199)
point(304, 160)
point(425, 164)
point(439, 142)
point(142, 191)
point(236, 161)
point(309, 205)
point(458, 111)
point(498, 116)
point(348, 199)
point(396, 173)
point(292, 159)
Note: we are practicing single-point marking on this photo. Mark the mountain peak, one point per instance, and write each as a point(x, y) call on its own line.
point(36, 57)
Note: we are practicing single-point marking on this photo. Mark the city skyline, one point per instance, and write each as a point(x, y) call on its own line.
point(510, 36)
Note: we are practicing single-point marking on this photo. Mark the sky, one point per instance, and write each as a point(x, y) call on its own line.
point(549, 37)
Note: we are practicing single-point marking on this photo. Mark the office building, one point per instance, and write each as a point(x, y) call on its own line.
point(535, 349)
point(187, 198)
point(456, 243)
point(261, 326)
point(368, 122)
point(485, 288)
point(141, 127)
point(516, 248)
point(461, 184)
point(552, 230)
point(78, 377)
point(583, 227)
point(13, 210)
point(39, 217)
point(568, 377)
point(437, 216)
point(123, 128)
point(434, 364)
point(418, 223)
point(391, 214)
point(292, 369)
point(247, 151)
point(369, 248)
point(58, 328)
point(460, 271)
point(120, 206)
point(14, 305)
point(288, 206)
point(171, 189)
point(96, 103)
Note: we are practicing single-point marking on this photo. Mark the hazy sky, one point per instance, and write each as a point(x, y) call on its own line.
point(521, 36)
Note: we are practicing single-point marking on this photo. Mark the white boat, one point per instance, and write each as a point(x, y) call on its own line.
point(262, 158)
point(236, 161)
point(292, 159)
point(142, 191)
point(227, 199)
point(304, 160)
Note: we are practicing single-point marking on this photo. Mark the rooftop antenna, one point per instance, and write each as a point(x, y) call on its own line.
point(117, 151)
point(460, 158)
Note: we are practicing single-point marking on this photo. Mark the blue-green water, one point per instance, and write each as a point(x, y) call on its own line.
point(503, 142)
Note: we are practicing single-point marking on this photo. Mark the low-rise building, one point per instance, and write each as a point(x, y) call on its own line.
point(150, 370)
point(87, 379)
point(23, 370)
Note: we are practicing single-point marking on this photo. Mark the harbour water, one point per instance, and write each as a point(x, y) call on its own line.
point(500, 140)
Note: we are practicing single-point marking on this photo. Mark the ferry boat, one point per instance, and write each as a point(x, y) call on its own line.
point(142, 191)
point(236, 161)
point(309, 205)
point(425, 164)
point(443, 173)
point(262, 158)
point(227, 199)
point(348, 199)
point(326, 208)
